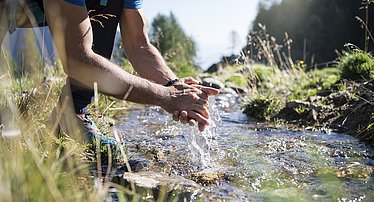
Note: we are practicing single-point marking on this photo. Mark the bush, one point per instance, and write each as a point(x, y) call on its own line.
point(263, 107)
point(356, 65)
point(264, 73)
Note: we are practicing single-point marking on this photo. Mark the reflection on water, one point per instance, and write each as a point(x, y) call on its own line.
point(256, 164)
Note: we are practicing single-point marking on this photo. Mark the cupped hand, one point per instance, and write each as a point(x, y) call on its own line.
point(186, 117)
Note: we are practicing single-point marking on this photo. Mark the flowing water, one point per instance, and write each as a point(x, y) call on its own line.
point(252, 162)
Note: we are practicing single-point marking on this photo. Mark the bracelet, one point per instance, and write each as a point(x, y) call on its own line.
point(171, 82)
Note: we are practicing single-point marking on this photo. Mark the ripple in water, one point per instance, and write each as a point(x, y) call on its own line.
point(259, 165)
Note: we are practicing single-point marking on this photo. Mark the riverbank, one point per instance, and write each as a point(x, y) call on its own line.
point(338, 99)
point(349, 110)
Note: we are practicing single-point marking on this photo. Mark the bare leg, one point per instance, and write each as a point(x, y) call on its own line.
point(3, 22)
point(64, 117)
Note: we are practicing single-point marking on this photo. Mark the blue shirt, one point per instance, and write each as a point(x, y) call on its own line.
point(130, 4)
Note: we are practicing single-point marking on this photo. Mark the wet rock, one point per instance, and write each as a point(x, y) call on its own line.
point(340, 98)
point(238, 90)
point(157, 154)
point(214, 83)
point(315, 99)
point(229, 91)
point(313, 114)
point(355, 170)
point(297, 111)
point(297, 104)
point(136, 164)
point(207, 177)
point(159, 183)
point(214, 68)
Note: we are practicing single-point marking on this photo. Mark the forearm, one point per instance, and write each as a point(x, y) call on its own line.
point(148, 63)
point(144, 57)
point(112, 80)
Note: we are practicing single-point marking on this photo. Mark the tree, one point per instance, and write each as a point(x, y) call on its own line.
point(317, 27)
point(171, 40)
point(235, 40)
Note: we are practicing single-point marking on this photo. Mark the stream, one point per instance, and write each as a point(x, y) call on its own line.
point(237, 159)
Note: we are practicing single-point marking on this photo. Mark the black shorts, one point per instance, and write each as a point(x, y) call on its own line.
point(104, 29)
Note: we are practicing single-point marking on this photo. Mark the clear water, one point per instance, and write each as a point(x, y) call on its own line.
point(257, 163)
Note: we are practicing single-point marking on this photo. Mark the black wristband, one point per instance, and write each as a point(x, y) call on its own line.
point(171, 82)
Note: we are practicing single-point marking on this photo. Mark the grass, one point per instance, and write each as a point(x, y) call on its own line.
point(356, 65)
point(41, 164)
point(37, 164)
point(279, 80)
point(263, 107)
point(275, 87)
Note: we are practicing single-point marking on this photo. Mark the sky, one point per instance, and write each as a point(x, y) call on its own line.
point(209, 22)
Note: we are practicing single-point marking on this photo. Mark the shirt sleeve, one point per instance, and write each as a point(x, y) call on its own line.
point(133, 4)
point(77, 2)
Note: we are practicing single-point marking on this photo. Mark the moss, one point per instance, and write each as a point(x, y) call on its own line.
point(356, 65)
point(263, 107)
point(315, 81)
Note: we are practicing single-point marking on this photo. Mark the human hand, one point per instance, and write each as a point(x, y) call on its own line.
point(183, 115)
point(187, 117)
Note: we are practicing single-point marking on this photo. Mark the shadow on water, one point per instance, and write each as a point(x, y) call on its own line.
point(236, 160)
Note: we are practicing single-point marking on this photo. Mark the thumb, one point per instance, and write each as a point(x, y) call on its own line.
point(208, 90)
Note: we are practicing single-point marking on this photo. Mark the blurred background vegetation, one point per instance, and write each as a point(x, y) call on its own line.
point(317, 28)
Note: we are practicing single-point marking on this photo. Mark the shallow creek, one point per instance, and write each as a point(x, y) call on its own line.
point(239, 160)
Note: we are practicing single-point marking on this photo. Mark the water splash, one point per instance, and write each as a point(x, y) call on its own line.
point(202, 144)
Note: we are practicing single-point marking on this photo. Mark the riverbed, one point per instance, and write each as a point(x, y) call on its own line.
point(247, 161)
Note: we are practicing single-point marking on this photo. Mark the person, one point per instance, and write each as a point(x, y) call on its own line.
point(83, 33)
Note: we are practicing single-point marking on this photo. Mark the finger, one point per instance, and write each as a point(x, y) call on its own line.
point(198, 117)
point(192, 122)
point(201, 110)
point(203, 102)
point(201, 127)
point(190, 81)
point(207, 90)
point(176, 115)
point(184, 117)
point(192, 90)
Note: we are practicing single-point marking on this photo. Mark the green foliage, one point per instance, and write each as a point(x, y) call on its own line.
point(310, 25)
point(36, 165)
point(275, 86)
point(315, 81)
point(263, 73)
point(356, 65)
point(263, 107)
point(183, 69)
point(295, 84)
point(238, 80)
point(171, 40)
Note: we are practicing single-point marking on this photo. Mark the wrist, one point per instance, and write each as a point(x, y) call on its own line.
point(165, 97)
point(171, 82)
